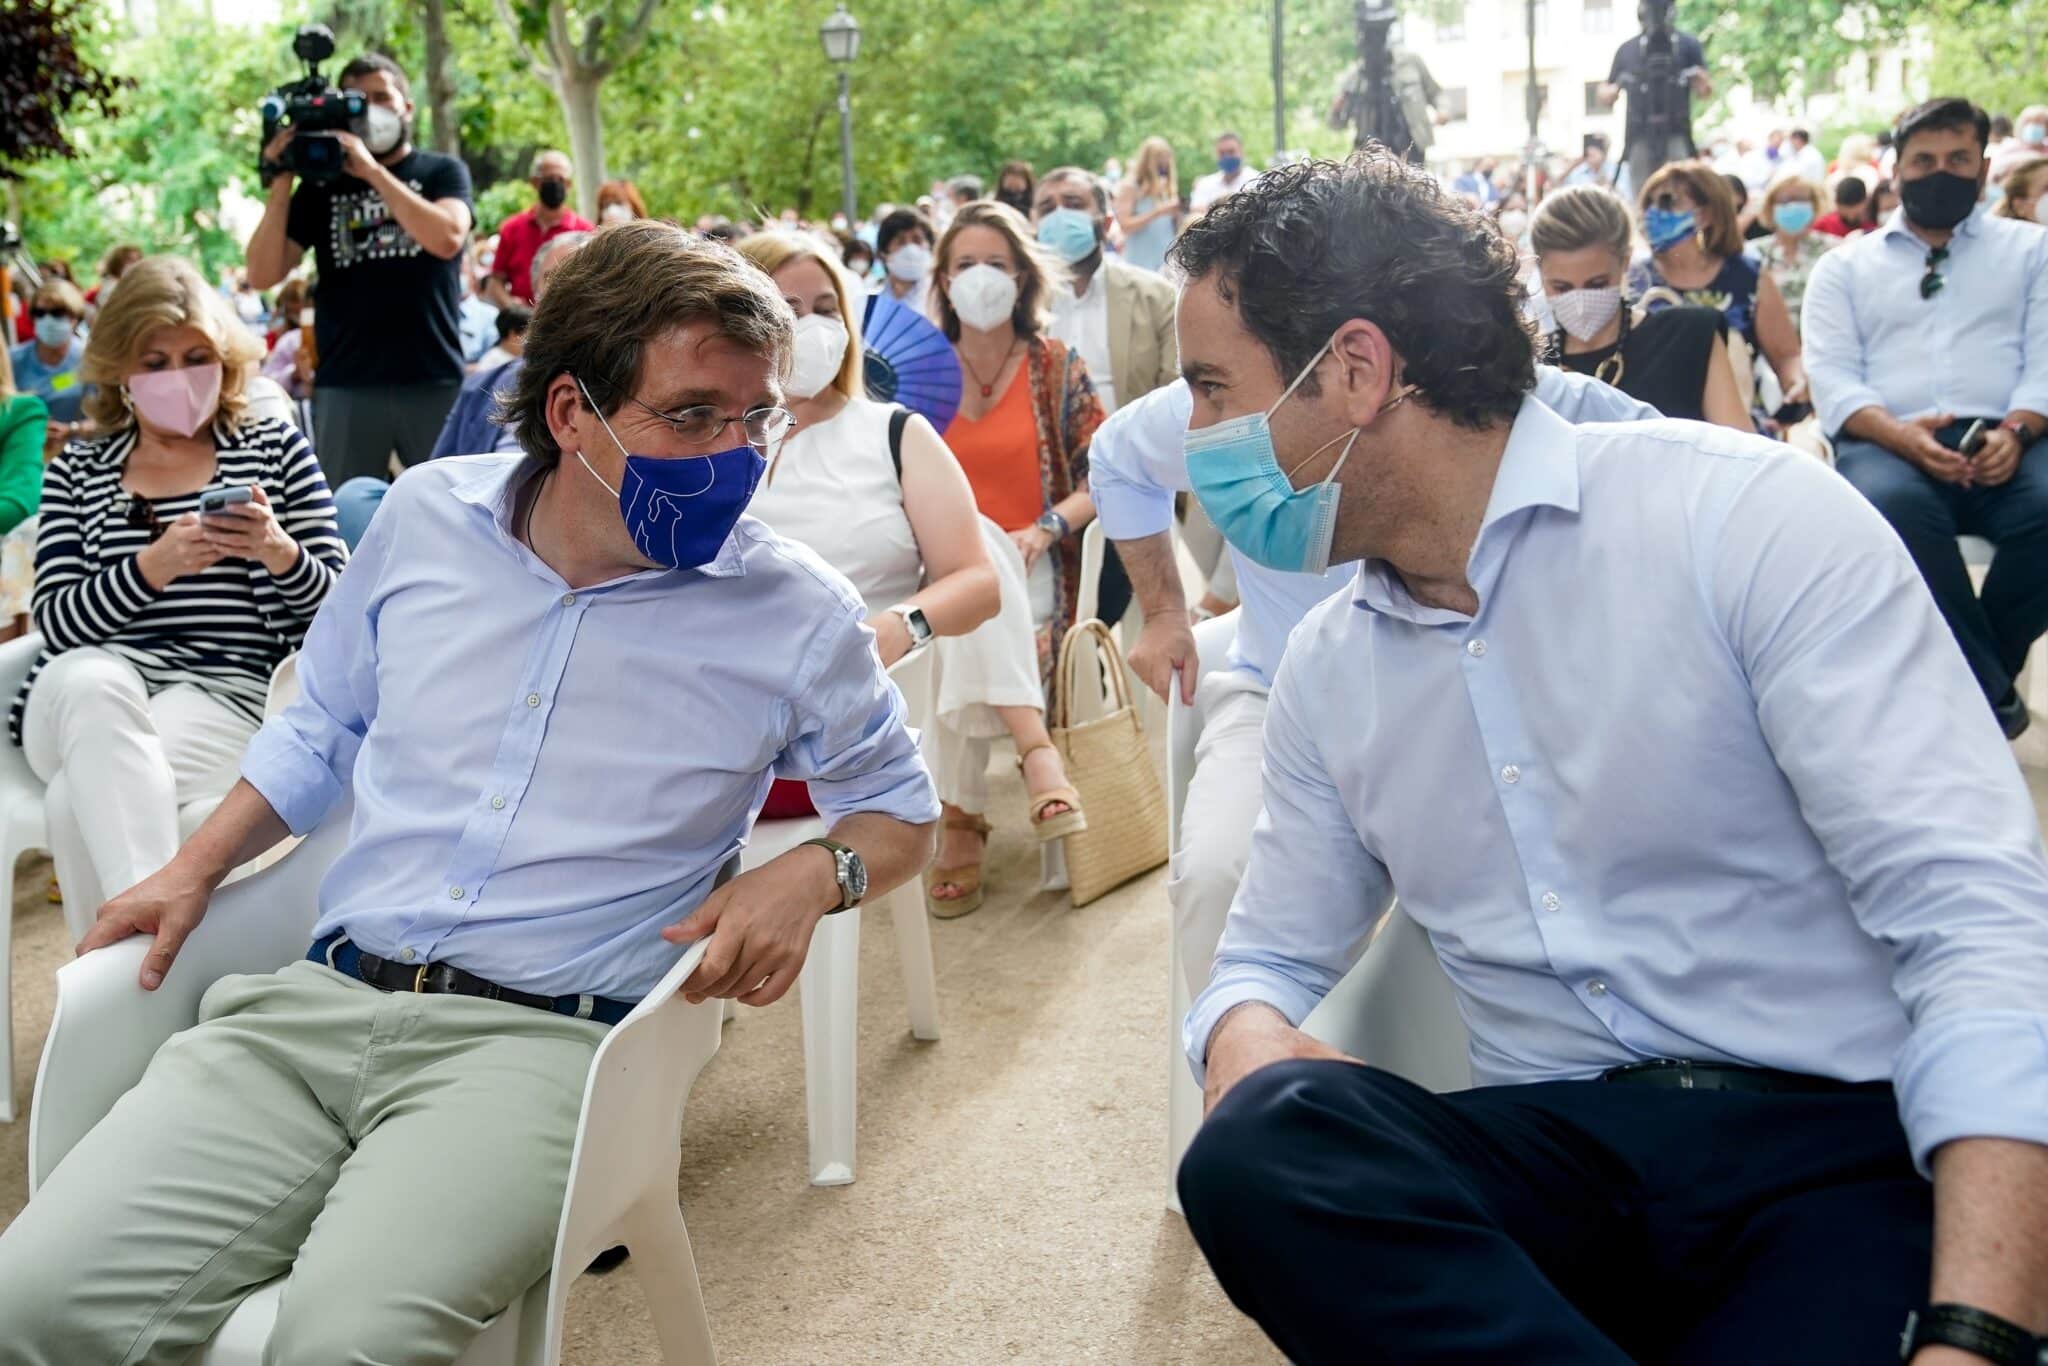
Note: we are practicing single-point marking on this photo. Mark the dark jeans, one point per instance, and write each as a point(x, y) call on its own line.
point(1995, 630)
point(1359, 1218)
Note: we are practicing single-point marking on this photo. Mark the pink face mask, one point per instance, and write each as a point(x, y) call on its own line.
point(180, 401)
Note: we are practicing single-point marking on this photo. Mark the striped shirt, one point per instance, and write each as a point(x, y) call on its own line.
point(225, 629)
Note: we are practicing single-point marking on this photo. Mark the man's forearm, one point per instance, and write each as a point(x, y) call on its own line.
point(242, 827)
point(1990, 1206)
point(893, 851)
point(1874, 424)
point(266, 255)
point(436, 229)
point(1155, 574)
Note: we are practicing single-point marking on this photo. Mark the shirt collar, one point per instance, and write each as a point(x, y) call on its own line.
point(495, 489)
point(1896, 226)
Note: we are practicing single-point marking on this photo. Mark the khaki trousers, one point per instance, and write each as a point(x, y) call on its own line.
point(403, 1156)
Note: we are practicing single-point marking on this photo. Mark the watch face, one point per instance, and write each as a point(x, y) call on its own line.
point(853, 876)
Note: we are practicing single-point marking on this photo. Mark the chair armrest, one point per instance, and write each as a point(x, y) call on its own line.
point(106, 1028)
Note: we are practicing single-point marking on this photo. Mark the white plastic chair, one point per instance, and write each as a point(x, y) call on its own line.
point(829, 987)
point(24, 825)
point(1213, 639)
point(1395, 1009)
point(622, 1176)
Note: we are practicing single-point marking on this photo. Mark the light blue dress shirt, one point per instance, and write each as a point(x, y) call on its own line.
point(1138, 461)
point(1705, 777)
point(543, 778)
point(1978, 348)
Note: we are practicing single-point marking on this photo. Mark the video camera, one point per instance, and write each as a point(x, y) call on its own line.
point(1374, 110)
point(314, 110)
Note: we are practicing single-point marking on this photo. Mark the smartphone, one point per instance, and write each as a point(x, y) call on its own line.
point(1973, 439)
point(221, 499)
point(1792, 412)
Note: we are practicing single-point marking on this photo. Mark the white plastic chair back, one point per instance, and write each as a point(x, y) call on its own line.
point(1395, 1010)
point(22, 828)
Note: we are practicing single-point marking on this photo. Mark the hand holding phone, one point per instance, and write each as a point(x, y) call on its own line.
point(1973, 439)
point(218, 500)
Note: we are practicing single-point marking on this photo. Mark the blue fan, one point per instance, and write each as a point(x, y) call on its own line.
point(909, 361)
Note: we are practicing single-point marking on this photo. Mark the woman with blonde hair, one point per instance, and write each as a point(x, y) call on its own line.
point(162, 625)
point(2023, 186)
point(1790, 208)
point(1148, 205)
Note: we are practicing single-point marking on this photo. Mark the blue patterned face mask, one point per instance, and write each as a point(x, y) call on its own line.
point(679, 510)
point(1666, 228)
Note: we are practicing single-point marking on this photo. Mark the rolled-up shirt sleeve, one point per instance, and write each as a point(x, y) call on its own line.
point(1938, 845)
point(1139, 461)
point(1312, 892)
point(1835, 362)
point(303, 759)
point(2031, 393)
point(851, 740)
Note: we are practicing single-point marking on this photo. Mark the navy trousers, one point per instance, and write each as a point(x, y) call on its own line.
point(1359, 1218)
point(1995, 630)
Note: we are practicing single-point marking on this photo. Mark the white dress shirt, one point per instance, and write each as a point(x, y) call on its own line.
point(544, 778)
point(1082, 322)
point(1138, 461)
point(1705, 777)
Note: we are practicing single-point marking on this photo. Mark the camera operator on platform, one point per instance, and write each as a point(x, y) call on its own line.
point(1661, 69)
point(1408, 122)
point(387, 233)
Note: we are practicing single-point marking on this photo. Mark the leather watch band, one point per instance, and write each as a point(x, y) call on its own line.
point(2027, 435)
point(1971, 1330)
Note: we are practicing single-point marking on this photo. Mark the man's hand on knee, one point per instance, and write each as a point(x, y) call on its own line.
point(168, 904)
point(1252, 1036)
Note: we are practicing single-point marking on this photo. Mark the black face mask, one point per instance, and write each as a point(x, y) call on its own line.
point(1939, 201)
point(1020, 200)
point(554, 192)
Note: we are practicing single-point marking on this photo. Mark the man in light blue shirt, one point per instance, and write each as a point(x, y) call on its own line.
point(556, 726)
point(1602, 706)
point(1136, 464)
point(1931, 326)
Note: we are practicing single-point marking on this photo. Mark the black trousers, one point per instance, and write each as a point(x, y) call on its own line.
point(1359, 1218)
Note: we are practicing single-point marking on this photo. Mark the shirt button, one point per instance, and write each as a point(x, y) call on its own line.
point(1475, 648)
point(455, 894)
point(1596, 987)
point(568, 599)
point(1511, 774)
point(497, 803)
point(533, 699)
point(1551, 901)
point(407, 954)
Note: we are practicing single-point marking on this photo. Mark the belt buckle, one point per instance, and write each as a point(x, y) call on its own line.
point(419, 980)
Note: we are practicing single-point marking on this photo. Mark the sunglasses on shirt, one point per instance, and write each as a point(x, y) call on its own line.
point(1930, 283)
point(141, 516)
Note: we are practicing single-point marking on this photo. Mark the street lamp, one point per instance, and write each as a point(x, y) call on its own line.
point(841, 36)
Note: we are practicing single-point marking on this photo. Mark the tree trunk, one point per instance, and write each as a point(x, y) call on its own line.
point(577, 90)
point(440, 79)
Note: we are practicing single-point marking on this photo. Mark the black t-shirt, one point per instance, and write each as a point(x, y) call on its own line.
point(1631, 60)
point(386, 310)
point(1664, 360)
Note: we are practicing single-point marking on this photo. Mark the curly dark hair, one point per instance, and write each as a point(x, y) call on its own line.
point(1306, 248)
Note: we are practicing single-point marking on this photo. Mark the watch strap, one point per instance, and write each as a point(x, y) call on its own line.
point(914, 621)
point(2027, 435)
point(1051, 521)
point(1970, 1330)
point(839, 853)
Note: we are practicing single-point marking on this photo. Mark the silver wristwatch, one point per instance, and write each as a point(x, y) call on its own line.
point(848, 870)
point(1054, 525)
point(914, 622)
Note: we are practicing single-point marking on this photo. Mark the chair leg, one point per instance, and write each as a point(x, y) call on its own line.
point(668, 1277)
point(1183, 1097)
point(1052, 866)
point(914, 947)
point(7, 989)
point(830, 991)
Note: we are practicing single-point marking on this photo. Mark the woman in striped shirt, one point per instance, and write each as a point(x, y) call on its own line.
point(161, 626)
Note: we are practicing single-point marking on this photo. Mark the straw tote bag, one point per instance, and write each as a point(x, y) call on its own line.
point(1109, 765)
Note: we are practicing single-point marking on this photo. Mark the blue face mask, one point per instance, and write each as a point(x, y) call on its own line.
point(1794, 216)
point(54, 331)
point(1236, 475)
point(679, 511)
point(1666, 228)
point(1229, 165)
point(1069, 233)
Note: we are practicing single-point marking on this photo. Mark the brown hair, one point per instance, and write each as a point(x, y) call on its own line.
point(1782, 189)
point(117, 260)
point(773, 250)
point(57, 292)
point(621, 192)
point(1153, 170)
point(622, 289)
point(2024, 181)
point(1036, 270)
point(1720, 233)
point(156, 292)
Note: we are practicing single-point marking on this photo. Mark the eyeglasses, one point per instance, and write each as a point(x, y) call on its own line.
point(141, 516)
point(702, 425)
point(1930, 283)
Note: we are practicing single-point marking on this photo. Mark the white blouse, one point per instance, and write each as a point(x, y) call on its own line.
point(835, 488)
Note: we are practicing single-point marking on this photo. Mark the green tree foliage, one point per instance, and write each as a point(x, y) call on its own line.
point(45, 79)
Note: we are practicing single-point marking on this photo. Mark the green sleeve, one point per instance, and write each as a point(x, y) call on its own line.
point(23, 422)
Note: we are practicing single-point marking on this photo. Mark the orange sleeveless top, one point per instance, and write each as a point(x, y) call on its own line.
point(999, 452)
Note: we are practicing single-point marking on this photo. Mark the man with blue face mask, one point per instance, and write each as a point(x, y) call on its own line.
point(557, 685)
point(1598, 705)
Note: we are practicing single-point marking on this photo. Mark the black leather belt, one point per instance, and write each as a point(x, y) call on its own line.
point(1677, 1074)
point(445, 979)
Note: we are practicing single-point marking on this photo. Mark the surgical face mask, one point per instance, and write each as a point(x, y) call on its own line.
point(1794, 216)
point(1666, 228)
point(910, 263)
point(180, 401)
point(819, 351)
point(1236, 475)
point(618, 211)
point(1585, 313)
point(383, 129)
point(1513, 224)
point(1229, 165)
point(1070, 234)
point(2034, 134)
point(679, 511)
point(1940, 200)
point(983, 296)
point(54, 330)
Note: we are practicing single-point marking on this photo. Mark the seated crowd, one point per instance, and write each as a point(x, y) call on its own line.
point(1743, 1020)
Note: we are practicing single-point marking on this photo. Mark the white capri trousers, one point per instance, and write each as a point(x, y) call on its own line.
point(994, 665)
point(130, 775)
point(1216, 824)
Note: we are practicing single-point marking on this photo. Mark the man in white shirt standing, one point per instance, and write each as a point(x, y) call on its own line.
point(1806, 160)
point(1599, 705)
point(1227, 179)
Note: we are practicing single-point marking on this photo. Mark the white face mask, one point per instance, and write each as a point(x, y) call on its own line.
point(910, 264)
point(618, 211)
point(1585, 313)
point(383, 129)
point(983, 296)
point(819, 351)
point(1513, 224)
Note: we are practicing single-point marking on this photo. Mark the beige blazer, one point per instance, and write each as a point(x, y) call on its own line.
point(1142, 352)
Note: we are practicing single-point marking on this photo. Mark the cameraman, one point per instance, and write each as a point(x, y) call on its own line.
point(387, 235)
point(1649, 145)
